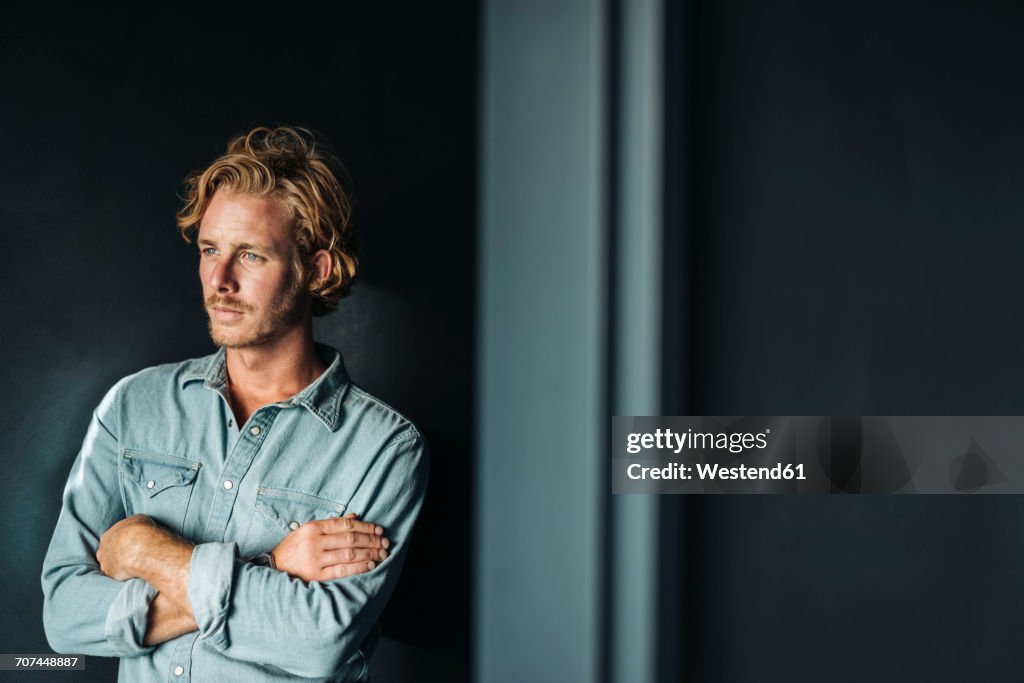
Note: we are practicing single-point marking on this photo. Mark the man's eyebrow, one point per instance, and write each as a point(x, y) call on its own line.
point(252, 245)
point(239, 245)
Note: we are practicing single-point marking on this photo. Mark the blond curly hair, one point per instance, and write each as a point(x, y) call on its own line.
point(286, 163)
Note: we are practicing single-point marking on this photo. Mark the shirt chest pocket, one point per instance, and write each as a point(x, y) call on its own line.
point(280, 511)
point(158, 485)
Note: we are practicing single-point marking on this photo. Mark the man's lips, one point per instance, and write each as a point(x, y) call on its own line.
point(225, 314)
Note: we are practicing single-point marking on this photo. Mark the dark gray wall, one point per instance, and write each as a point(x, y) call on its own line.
point(856, 228)
point(99, 126)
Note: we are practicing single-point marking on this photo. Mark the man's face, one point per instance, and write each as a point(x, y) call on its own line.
point(252, 293)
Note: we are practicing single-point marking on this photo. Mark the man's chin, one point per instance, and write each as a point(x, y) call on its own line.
point(231, 342)
point(228, 340)
point(238, 341)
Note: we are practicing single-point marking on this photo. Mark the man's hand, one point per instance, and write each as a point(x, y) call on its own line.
point(331, 548)
point(123, 545)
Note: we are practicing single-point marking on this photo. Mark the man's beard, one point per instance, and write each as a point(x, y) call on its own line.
point(286, 311)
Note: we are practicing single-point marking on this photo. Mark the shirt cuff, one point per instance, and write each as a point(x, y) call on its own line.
point(209, 589)
point(128, 617)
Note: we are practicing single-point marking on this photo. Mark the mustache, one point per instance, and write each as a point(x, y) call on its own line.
point(227, 302)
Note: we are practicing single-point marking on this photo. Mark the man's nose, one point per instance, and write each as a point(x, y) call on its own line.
point(222, 276)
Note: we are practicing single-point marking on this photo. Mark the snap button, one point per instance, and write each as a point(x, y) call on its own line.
point(255, 431)
point(150, 484)
point(228, 484)
point(293, 526)
point(178, 670)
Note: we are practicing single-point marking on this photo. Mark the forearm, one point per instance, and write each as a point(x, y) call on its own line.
point(167, 621)
point(316, 629)
point(138, 548)
point(165, 566)
point(321, 625)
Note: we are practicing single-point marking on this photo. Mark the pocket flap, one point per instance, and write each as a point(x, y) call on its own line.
point(290, 509)
point(154, 472)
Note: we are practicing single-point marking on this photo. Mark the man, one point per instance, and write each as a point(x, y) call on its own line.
point(244, 516)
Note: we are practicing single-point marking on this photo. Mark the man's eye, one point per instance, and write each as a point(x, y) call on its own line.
point(251, 257)
point(208, 251)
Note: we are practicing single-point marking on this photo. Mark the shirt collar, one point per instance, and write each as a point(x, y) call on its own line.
point(322, 397)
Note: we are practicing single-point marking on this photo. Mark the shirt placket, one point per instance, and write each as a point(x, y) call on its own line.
point(180, 660)
point(243, 452)
point(246, 446)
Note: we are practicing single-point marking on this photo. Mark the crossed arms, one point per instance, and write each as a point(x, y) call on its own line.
point(115, 587)
point(138, 547)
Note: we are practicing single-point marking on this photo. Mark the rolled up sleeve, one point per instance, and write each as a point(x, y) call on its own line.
point(128, 617)
point(211, 574)
point(84, 611)
point(259, 614)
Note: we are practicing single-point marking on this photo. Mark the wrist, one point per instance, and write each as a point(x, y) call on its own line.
point(265, 560)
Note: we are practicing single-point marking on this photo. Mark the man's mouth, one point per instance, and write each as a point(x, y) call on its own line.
point(225, 313)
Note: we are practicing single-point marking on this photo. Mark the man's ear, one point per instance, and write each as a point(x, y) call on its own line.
point(323, 265)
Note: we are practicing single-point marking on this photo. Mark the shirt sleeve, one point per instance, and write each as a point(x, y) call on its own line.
point(84, 611)
point(259, 614)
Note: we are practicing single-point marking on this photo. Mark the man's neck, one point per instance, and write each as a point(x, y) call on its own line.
point(271, 372)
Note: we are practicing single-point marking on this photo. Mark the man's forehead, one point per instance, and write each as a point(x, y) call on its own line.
point(245, 221)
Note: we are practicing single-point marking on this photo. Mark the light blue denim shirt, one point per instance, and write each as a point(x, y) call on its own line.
point(163, 443)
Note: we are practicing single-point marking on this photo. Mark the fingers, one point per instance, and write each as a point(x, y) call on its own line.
point(334, 525)
point(339, 571)
point(352, 539)
point(351, 555)
point(349, 532)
